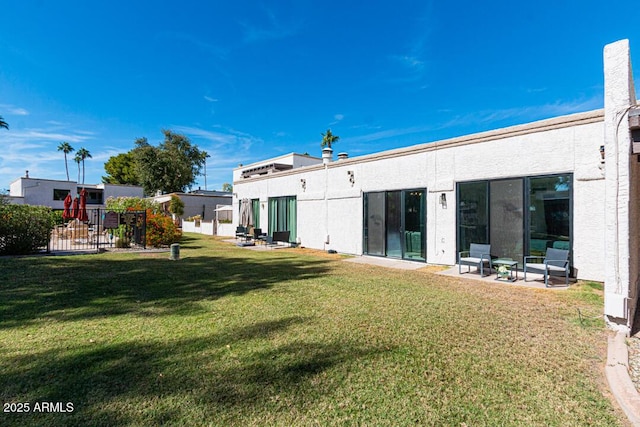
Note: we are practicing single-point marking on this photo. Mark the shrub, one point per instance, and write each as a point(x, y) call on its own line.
point(132, 203)
point(57, 218)
point(196, 219)
point(24, 228)
point(176, 206)
point(123, 239)
point(161, 231)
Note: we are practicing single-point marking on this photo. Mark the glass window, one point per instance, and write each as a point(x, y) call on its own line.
point(94, 197)
point(60, 194)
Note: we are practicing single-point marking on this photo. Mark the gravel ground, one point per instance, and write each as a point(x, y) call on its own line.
point(634, 360)
point(634, 353)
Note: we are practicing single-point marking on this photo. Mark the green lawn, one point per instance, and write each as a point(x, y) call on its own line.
point(229, 336)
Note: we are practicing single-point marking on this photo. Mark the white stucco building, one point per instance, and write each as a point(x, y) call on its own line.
point(568, 182)
point(198, 202)
point(51, 193)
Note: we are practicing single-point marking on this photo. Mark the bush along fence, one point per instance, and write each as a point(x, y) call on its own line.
point(24, 229)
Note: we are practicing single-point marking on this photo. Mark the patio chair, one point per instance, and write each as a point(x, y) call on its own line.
point(478, 255)
point(259, 236)
point(241, 232)
point(555, 262)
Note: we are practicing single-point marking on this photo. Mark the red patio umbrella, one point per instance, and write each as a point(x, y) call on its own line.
point(82, 213)
point(66, 213)
point(75, 208)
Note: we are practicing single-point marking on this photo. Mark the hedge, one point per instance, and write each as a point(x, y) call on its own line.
point(24, 229)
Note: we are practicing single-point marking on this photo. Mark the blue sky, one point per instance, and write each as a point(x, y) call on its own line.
point(247, 81)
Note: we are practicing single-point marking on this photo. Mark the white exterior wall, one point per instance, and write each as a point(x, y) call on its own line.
point(39, 192)
point(330, 205)
point(621, 237)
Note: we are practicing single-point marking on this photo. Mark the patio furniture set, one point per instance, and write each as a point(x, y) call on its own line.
point(247, 237)
point(554, 263)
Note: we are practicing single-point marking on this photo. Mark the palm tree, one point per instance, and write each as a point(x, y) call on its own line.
point(328, 139)
point(3, 124)
point(84, 154)
point(78, 159)
point(66, 148)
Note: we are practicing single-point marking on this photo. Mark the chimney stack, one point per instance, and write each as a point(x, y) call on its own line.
point(327, 155)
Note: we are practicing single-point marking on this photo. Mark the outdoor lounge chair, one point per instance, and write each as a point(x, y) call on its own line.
point(556, 262)
point(478, 256)
point(277, 236)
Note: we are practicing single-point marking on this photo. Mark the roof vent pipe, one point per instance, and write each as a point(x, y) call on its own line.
point(327, 155)
point(343, 156)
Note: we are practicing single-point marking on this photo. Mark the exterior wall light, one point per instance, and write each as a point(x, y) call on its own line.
point(352, 178)
point(602, 153)
point(303, 184)
point(443, 200)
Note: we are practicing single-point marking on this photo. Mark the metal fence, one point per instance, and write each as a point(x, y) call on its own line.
point(105, 229)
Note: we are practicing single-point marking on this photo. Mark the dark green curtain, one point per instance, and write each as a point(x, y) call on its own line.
point(283, 216)
point(255, 206)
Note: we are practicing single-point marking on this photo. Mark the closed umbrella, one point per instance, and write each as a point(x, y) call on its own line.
point(66, 213)
point(82, 213)
point(246, 213)
point(75, 207)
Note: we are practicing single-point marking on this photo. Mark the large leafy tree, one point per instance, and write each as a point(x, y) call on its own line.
point(328, 139)
point(66, 148)
point(170, 167)
point(121, 169)
point(83, 153)
point(3, 124)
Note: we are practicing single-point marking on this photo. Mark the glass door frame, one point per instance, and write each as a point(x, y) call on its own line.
point(526, 202)
point(402, 226)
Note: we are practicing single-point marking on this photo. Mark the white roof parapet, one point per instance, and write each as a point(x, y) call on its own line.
point(517, 130)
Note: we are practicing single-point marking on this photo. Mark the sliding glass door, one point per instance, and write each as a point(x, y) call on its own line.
point(374, 224)
point(519, 216)
point(506, 233)
point(473, 214)
point(549, 213)
point(395, 224)
point(415, 219)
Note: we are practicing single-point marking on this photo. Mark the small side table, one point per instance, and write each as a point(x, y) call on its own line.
point(510, 264)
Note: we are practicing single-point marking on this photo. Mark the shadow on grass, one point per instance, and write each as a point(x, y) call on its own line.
point(142, 383)
point(76, 287)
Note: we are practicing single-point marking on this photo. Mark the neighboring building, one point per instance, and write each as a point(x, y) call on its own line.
point(568, 182)
point(49, 192)
point(198, 202)
point(277, 164)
